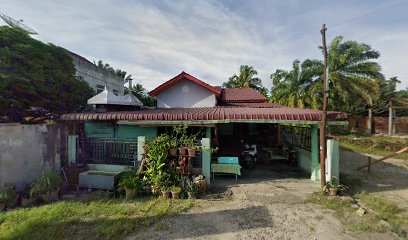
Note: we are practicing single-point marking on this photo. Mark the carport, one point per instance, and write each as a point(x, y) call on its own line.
point(227, 123)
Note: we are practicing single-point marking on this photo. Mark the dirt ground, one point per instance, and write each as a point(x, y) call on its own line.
point(268, 203)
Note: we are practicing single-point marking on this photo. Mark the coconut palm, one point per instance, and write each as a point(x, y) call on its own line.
point(295, 88)
point(247, 78)
point(353, 74)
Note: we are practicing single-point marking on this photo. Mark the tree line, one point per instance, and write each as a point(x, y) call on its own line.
point(356, 82)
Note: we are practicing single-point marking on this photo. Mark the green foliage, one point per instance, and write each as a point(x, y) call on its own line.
point(333, 184)
point(88, 219)
point(296, 88)
point(176, 189)
point(37, 79)
point(3, 197)
point(140, 92)
point(49, 181)
point(130, 180)
point(188, 185)
point(246, 79)
point(354, 79)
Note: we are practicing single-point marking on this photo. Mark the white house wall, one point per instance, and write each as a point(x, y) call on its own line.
point(186, 94)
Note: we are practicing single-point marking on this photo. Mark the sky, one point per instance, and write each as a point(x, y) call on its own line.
point(156, 40)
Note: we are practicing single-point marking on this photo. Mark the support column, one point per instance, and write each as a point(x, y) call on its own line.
point(206, 160)
point(140, 144)
point(315, 166)
point(72, 139)
point(332, 162)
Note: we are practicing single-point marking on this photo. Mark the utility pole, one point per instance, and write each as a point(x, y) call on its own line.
point(324, 114)
point(390, 117)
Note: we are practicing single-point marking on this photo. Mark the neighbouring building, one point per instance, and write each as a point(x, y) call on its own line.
point(97, 78)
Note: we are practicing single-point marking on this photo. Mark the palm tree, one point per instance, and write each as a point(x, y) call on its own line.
point(295, 88)
point(246, 79)
point(354, 76)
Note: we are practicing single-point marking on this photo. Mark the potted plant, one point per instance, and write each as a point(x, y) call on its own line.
point(188, 187)
point(3, 201)
point(165, 192)
point(173, 143)
point(175, 192)
point(130, 183)
point(46, 186)
point(191, 145)
point(332, 187)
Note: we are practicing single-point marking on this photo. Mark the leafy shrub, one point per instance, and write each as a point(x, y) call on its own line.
point(3, 198)
point(48, 182)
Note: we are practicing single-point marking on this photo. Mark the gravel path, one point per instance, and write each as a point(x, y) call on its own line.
point(264, 204)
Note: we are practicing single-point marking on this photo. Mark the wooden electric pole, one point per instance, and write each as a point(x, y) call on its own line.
point(324, 114)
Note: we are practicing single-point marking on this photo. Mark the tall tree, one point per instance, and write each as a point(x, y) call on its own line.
point(37, 79)
point(295, 88)
point(140, 92)
point(247, 78)
point(353, 74)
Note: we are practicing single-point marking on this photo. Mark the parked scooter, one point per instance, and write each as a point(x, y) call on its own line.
point(249, 155)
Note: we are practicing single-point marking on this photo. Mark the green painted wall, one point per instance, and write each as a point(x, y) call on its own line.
point(304, 159)
point(131, 131)
point(99, 129)
point(109, 130)
point(225, 129)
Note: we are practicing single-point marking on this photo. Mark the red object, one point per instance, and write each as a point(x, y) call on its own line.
point(242, 95)
point(210, 113)
point(184, 166)
point(183, 76)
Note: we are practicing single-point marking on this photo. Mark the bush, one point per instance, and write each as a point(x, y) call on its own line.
point(48, 182)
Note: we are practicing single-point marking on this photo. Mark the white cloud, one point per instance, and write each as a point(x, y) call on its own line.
point(155, 41)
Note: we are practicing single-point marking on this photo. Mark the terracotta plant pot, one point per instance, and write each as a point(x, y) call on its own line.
point(173, 152)
point(191, 152)
point(50, 197)
point(333, 191)
point(182, 151)
point(130, 193)
point(155, 191)
point(175, 195)
point(166, 194)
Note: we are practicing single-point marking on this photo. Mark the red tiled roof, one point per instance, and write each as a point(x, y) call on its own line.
point(242, 95)
point(282, 114)
point(252, 104)
point(179, 78)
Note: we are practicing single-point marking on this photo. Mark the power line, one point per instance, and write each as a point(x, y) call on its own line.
point(369, 14)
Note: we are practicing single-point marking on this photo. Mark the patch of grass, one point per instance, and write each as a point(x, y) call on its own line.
point(379, 145)
point(343, 210)
point(388, 211)
point(88, 219)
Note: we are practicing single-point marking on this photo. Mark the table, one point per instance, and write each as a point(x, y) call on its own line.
point(272, 154)
point(226, 168)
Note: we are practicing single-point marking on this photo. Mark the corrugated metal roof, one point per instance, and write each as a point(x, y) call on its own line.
point(242, 95)
point(210, 113)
